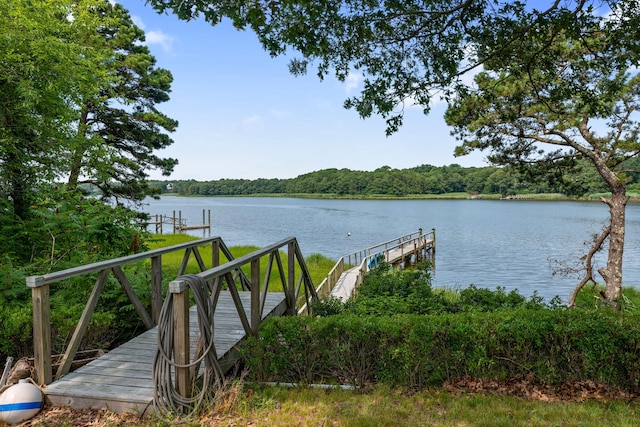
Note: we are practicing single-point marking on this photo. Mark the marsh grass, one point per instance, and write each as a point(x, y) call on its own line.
point(318, 265)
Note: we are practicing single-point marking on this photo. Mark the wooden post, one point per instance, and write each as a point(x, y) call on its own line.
point(255, 296)
point(215, 253)
point(41, 329)
point(433, 244)
point(180, 291)
point(173, 220)
point(156, 288)
point(291, 288)
point(433, 248)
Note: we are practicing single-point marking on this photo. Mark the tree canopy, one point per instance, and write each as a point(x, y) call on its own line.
point(44, 70)
point(420, 180)
point(577, 98)
point(549, 74)
point(409, 51)
point(78, 95)
point(120, 127)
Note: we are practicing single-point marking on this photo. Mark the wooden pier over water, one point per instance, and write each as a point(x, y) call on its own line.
point(349, 271)
point(230, 306)
point(179, 224)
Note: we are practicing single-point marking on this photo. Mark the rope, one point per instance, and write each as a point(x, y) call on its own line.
point(166, 397)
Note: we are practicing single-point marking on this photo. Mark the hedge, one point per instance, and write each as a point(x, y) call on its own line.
point(418, 351)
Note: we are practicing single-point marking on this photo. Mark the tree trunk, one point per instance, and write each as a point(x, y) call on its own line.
point(79, 151)
point(588, 262)
point(612, 274)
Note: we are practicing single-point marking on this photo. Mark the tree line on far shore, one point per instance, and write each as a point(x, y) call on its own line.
point(423, 179)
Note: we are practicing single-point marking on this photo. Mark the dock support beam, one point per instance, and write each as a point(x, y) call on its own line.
point(180, 291)
point(41, 329)
point(255, 297)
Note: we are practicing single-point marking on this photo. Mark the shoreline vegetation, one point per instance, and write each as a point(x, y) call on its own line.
point(633, 196)
point(421, 182)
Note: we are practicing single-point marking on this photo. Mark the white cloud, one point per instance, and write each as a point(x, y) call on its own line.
point(138, 21)
point(158, 37)
point(165, 41)
point(353, 81)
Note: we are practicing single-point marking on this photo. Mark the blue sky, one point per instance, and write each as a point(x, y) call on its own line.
point(242, 115)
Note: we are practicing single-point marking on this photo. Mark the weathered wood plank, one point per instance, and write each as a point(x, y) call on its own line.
point(121, 380)
point(105, 382)
point(111, 403)
point(351, 278)
point(83, 323)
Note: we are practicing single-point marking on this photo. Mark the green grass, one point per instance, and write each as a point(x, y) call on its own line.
point(262, 406)
point(384, 407)
point(317, 264)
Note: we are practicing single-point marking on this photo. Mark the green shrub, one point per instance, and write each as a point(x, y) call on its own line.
point(416, 352)
point(386, 292)
point(399, 331)
point(16, 337)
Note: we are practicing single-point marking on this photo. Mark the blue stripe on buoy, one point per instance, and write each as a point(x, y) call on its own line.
point(20, 406)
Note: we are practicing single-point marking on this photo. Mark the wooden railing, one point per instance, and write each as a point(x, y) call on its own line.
point(360, 258)
point(40, 292)
point(298, 293)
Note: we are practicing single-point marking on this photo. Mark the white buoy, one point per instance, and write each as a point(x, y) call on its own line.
point(20, 402)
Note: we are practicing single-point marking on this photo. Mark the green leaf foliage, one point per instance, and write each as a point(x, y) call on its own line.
point(120, 128)
point(582, 181)
point(416, 352)
point(400, 332)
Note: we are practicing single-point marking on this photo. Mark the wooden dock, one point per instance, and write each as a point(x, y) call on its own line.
point(122, 381)
point(178, 223)
point(403, 252)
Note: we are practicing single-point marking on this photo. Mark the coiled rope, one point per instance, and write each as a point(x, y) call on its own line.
point(166, 397)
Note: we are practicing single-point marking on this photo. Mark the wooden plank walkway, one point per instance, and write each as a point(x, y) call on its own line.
point(395, 255)
point(122, 381)
point(350, 279)
point(346, 284)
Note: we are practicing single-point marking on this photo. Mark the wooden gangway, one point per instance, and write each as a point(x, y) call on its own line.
point(349, 271)
point(123, 379)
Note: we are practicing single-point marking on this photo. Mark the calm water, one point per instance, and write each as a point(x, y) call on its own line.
point(486, 243)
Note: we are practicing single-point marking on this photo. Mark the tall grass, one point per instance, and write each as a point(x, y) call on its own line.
point(317, 264)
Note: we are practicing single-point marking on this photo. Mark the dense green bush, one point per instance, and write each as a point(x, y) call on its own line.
point(399, 331)
point(386, 292)
point(418, 351)
point(16, 337)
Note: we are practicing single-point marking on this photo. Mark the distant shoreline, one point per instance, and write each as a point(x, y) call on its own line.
point(634, 198)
